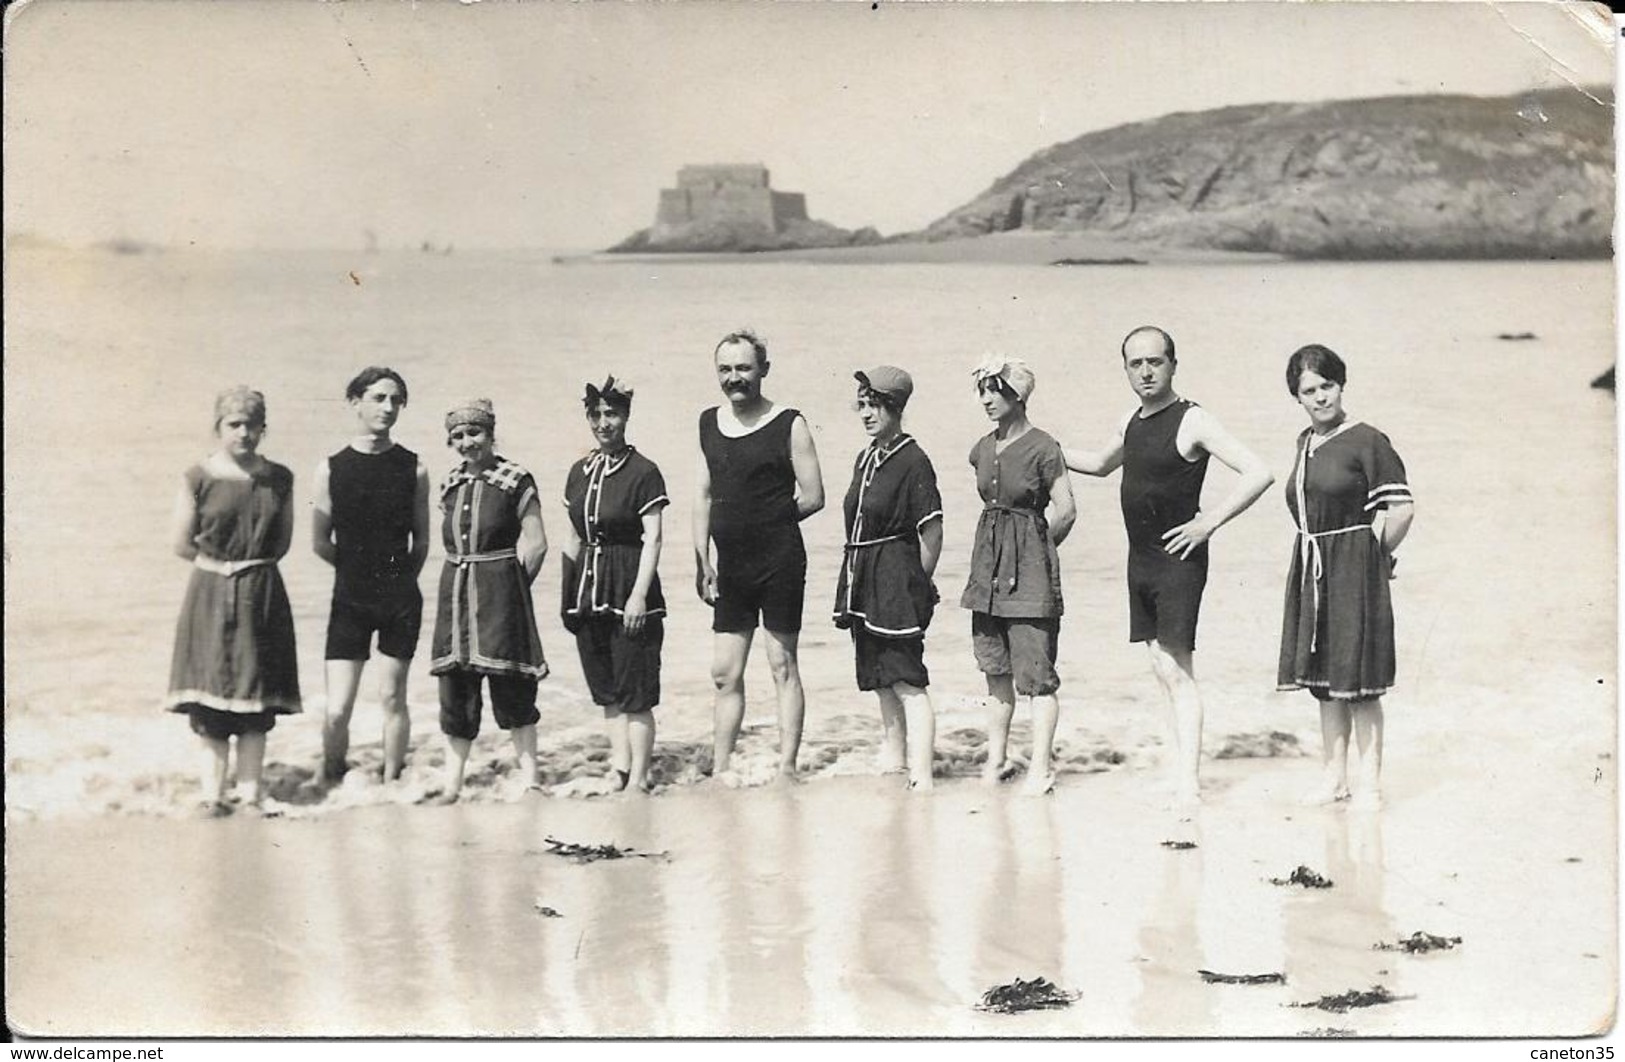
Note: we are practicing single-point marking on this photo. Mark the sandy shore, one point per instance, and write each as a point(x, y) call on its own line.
point(838, 907)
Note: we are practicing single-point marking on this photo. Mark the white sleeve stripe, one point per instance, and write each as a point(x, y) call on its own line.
point(653, 502)
point(928, 517)
point(1404, 488)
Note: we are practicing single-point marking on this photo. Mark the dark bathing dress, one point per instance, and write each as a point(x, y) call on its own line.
point(883, 595)
point(234, 644)
point(1337, 634)
point(607, 500)
point(485, 622)
point(1015, 571)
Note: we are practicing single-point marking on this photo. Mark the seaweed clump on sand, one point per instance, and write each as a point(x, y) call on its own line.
point(1242, 979)
point(547, 912)
point(592, 853)
point(1305, 877)
point(1347, 1001)
point(1179, 846)
point(1327, 1031)
point(1019, 995)
point(1259, 745)
point(1419, 943)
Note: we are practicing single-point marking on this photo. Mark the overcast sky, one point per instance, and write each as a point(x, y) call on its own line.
point(293, 123)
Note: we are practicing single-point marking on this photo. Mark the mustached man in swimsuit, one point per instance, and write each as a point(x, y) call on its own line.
point(758, 478)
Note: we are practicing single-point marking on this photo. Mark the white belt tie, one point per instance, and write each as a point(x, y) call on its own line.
point(229, 568)
point(461, 559)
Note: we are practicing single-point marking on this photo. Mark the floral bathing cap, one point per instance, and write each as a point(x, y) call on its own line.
point(472, 411)
point(618, 393)
point(239, 399)
point(1012, 372)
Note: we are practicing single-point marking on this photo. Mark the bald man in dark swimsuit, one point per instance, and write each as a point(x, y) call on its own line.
point(1163, 449)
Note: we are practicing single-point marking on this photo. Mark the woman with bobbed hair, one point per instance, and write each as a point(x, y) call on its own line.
point(1351, 502)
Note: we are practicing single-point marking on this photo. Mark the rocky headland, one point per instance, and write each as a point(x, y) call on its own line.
point(1528, 176)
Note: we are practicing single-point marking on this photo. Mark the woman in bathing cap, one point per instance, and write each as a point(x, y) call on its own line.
point(612, 599)
point(234, 669)
point(885, 596)
point(1014, 589)
point(485, 627)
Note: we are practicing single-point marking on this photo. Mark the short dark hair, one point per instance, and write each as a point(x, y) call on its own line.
point(884, 399)
point(371, 375)
point(758, 345)
point(1322, 361)
point(1167, 341)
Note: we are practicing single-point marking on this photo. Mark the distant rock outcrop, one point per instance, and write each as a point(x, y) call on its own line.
point(1395, 177)
point(734, 208)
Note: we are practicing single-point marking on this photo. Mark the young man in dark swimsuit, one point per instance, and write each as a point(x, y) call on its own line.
point(372, 525)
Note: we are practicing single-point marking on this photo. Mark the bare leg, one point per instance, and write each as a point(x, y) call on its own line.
point(1335, 725)
point(729, 651)
point(893, 730)
point(1176, 672)
point(1367, 721)
point(343, 680)
point(251, 765)
point(640, 740)
point(397, 725)
point(524, 747)
point(1001, 708)
point(781, 659)
point(1041, 772)
point(920, 733)
point(620, 753)
point(215, 763)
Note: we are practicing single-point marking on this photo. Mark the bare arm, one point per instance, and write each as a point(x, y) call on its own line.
point(1102, 462)
point(420, 523)
point(282, 534)
point(572, 542)
point(1206, 433)
point(183, 525)
point(532, 544)
point(636, 610)
point(1397, 524)
point(931, 544)
point(321, 523)
point(804, 459)
point(705, 576)
point(1062, 511)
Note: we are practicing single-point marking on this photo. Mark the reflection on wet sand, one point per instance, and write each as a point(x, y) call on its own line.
point(1172, 999)
point(1329, 940)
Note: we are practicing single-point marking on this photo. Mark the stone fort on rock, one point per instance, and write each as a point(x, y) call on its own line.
point(725, 195)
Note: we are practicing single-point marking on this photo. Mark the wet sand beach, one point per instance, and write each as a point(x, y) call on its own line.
point(843, 908)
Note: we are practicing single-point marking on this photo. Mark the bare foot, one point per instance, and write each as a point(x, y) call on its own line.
point(1366, 800)
point(1039, 784)
point(994, 775)
point(730, 778)
point(922, 785)
point(1324, 795)
point(213, 809)
point(787, 776)
point(1185, 798)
